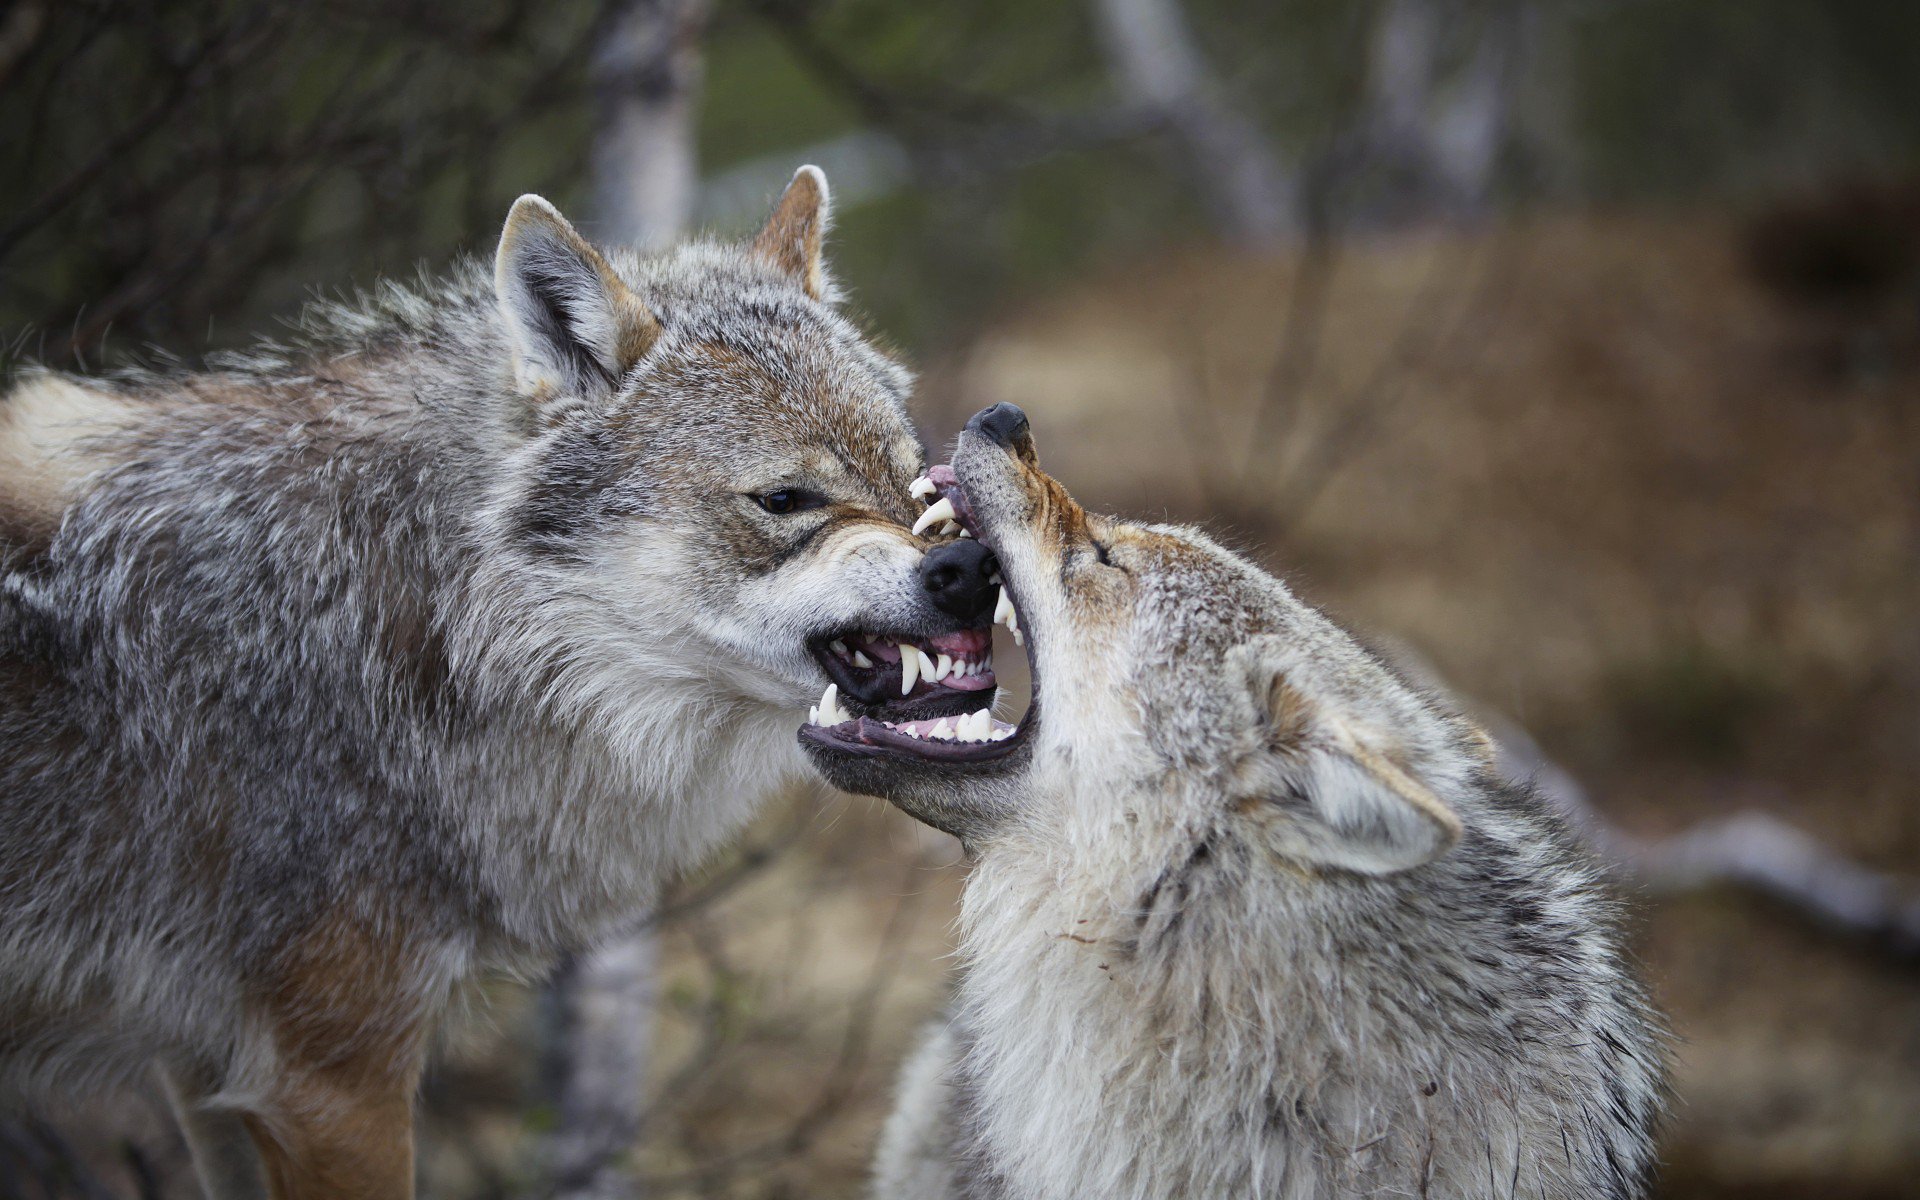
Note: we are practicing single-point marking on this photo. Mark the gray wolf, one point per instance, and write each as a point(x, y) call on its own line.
point(1249, 915)
point(427, 645)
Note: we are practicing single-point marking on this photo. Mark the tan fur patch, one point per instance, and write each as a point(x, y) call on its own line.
point(794, 237)
point(1289, 712)
point(340, 1146)
point(339, 1001)
point(351, 1034)
point(47, 431)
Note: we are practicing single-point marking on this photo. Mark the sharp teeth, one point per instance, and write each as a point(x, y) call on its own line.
point(922, 488)
point(940, 729)
point(1003, 609)
point(965, 532)
point(861, 660)
point(942, 667)
point(953, 528)
point(926, 665)
point(813, 715)
point(982, 726)
point(1001, 735)
point(909, 668)
point(907, 728)
point(939, 510)
point(839, 647)
point(830, 711)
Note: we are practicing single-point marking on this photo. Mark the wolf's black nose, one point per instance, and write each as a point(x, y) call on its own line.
point(955, 576)
point(1002, 424)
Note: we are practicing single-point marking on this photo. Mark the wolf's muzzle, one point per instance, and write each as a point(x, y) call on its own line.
point(958, 578)
point(1004, 425)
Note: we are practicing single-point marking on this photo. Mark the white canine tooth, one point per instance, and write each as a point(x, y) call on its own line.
point(1002, 609)
point(839, 647)
point(952, 528)
point(909, 668)
point(830, 706)
point(965, 532)
point(943, 667)
point(926, 666)
point(861, 660)
point(982, 725)
point(940, 729)
point(813, 715)
point(922, 488)
point(939, 510)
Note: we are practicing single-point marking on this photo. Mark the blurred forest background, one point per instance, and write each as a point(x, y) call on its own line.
point(1571, 349)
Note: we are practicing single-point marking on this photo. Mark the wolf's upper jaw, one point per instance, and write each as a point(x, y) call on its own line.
point(962, 660)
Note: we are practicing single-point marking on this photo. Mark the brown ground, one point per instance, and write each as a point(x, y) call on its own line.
point(1609, 486)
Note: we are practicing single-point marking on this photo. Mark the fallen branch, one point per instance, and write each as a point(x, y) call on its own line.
point(1751, 850)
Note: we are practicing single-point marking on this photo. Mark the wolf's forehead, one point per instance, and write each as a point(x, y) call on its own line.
point(1196, 599)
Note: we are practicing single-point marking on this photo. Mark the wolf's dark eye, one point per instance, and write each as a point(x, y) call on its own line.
point(789, 500)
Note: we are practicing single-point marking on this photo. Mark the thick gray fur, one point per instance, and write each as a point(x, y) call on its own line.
point(430, 644)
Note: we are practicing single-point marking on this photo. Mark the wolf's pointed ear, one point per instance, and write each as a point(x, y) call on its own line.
point(794, 239)
point(575, 324)
point(1327, 789)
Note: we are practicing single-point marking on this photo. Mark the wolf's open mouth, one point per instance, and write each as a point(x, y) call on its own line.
point(959, 662)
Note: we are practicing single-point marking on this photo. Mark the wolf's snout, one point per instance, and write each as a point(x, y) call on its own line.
point(956, 575)
point(1002, 424)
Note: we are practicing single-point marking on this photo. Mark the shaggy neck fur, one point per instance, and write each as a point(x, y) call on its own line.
point(1214, 1023)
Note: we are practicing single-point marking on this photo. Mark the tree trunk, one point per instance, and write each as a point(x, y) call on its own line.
point(647, 88)
point(645, 178)
point(1152, 55)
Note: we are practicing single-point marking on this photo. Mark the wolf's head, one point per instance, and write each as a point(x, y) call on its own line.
point(709, 477)
point(1175, 684)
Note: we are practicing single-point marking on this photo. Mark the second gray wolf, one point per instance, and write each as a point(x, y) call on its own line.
point(1250, 915)
point(430, 644)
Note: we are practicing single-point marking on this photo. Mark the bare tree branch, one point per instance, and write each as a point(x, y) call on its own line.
point(1751, 850)
point(646, 80)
